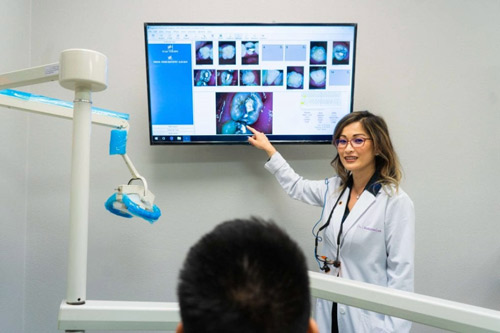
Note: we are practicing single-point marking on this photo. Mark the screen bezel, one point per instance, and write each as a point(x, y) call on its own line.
point(219, 139)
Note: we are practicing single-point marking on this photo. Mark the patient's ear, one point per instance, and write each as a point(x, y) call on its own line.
point(313, 327)
point(180, 328)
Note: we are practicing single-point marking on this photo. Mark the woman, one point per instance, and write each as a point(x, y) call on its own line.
point(368, 225)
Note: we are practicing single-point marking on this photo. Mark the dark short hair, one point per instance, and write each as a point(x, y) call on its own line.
point(247, 275)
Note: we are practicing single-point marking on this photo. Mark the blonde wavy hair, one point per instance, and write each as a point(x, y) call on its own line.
point(386, 160)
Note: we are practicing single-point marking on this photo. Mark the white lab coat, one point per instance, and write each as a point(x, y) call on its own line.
point(377, 244)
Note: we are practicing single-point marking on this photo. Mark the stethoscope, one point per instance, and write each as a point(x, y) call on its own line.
point(336, 263)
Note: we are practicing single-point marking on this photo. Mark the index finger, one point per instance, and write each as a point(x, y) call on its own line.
point(253, 130)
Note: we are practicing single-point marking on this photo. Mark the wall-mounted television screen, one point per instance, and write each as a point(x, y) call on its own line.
point(207, 81)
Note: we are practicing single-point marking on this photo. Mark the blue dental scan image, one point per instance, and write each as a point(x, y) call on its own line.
point(295, 77)
point(204, 53)
point(204, 77)
point(250, 53)
point(249, 77)
point(227, 53)
point(227, 77)
point(318, 53)
point(317, 77)
point(237, 110)
point(272, 77)
point(340, 53)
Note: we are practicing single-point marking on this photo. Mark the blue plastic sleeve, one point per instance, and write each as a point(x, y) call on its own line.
point(118, 142)
point(135, 209)
point(38, 98)
point(109, 206)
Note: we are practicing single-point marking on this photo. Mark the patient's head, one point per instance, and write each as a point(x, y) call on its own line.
point(245, 276)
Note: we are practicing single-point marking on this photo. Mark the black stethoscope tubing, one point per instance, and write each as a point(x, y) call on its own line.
point(336, 262)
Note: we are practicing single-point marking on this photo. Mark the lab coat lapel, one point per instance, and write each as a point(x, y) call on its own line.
point(364, 202)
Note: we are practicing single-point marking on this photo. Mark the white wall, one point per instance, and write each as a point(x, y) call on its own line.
point(14, 45)
point(430, 68)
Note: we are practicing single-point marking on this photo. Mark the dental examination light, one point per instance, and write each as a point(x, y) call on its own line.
point(129, 200)
point(84, 72)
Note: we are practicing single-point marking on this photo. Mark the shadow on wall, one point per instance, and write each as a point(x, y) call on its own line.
point(235, 153)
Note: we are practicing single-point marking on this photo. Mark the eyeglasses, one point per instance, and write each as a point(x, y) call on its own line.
point(355, 142)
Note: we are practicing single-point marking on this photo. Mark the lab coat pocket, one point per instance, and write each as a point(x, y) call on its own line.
point(373, 322)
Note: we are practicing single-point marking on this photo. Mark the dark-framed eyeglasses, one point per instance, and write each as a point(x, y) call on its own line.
point(355, 142)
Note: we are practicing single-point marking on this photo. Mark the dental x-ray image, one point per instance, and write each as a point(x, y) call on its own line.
point(237, 110)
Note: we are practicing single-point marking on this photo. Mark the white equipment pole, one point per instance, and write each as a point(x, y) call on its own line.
point(79, 199)
point(83, 71)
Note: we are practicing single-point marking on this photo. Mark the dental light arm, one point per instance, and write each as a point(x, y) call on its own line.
point(130, 200)
point(84, 72)
point(138, 199)
point(37, 104)
point(139, 194)
point(29, 76)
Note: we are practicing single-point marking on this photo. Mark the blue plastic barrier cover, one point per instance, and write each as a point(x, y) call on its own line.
point(38, 98)
point(132, 209)
point(118, 142)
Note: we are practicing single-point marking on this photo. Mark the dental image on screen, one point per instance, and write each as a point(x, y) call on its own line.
point(340, 53)
point(204, 77)
point(237, 110)
point(317, 77)
point(250, 77)
point(318, 53)
point(272, 77)
point(250, 53)
point(227, 53)
point(228, 77)
point(207, 82)
point(204, 53)
point(295, 77)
